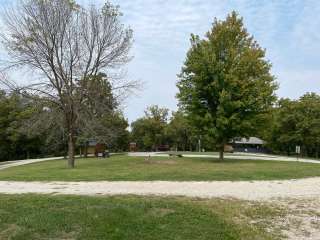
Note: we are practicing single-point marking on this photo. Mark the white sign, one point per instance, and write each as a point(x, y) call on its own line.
point(298, 149)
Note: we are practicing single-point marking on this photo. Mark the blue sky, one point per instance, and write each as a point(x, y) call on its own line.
point(288, 29)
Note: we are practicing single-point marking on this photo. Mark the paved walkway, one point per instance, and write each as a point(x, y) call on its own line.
point(240, 156)
point(9, 164)
point(255, 190)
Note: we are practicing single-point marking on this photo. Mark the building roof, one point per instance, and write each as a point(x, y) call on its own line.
point(92, 143)
point(250, 140)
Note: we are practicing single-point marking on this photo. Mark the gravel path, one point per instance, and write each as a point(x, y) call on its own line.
point(255, 190)
point(300, 197)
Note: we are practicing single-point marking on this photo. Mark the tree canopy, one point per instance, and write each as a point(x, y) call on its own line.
point(14, 142)
point(225, 82)
point(149, 131)
point(295, 123)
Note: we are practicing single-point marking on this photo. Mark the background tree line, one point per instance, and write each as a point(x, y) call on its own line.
point(295, 123)
point(14, 144)
point(157, 128)
point(30, 130)
point(288, 124)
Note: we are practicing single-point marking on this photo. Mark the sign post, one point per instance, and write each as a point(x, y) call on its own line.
point(298, 150)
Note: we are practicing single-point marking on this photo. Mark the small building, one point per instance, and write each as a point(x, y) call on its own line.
point(251, 144)
point(93, 148)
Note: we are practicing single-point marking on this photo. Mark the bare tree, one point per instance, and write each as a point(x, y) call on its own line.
point(68, 46)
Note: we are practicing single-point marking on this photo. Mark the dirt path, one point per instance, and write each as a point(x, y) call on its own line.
point(255, 190)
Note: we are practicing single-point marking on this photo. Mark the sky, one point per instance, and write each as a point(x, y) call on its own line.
point(289, 30)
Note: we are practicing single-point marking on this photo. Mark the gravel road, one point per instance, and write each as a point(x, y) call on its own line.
point(254, 190)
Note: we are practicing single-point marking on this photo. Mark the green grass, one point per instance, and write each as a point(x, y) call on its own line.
point(135, 218)
point(160, 168)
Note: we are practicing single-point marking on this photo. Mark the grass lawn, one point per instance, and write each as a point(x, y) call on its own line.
point(128, 217)
point(160, 168)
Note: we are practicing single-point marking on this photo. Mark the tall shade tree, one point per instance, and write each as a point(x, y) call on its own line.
point(67, 46)
point(225, 82)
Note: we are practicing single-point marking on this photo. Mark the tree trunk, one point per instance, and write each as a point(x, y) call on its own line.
point(71, 150)
point(221, 153)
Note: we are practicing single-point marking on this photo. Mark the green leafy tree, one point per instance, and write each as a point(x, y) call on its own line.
point(309, 126)
point(225, 82)
point(149, 131)
point(118, 126)
point(295, 122)
point(14, 142)
point(280, 135)
point(181, 133)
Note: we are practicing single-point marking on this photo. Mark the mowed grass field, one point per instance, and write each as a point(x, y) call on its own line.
point(128, 217)
point(124, 168)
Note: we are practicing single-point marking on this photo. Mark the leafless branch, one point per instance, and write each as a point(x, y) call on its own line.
point(66, 45)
